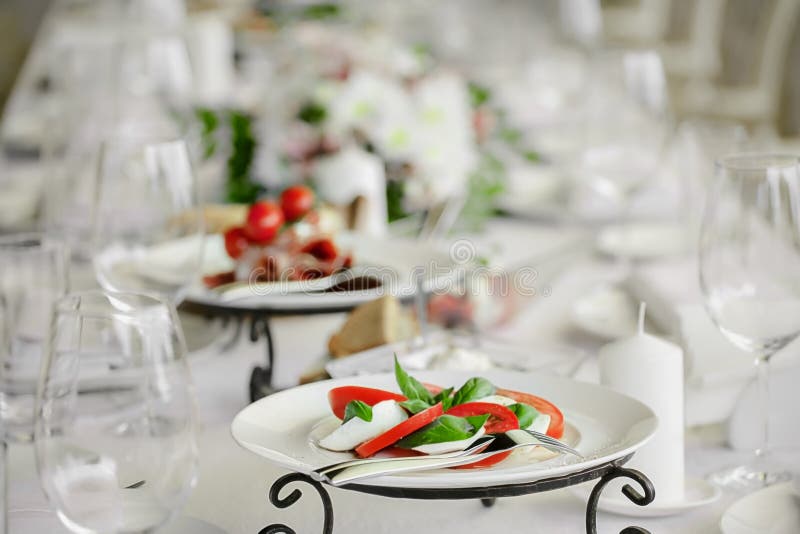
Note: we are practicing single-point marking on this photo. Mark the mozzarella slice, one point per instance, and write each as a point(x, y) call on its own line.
point(540, 423)
point(449, 446)
point(498, 399)
point(385, 415)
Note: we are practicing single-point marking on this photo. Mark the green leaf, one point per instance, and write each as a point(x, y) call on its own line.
point(321, 11)
point(356, 408)
point(410, 386)
point(445, 398)
point(415, 405)
point(525, 414)
point(473, 389)
point(395, 192)
point(477, 421)
point(313, 113)
point(532, 156)
point(444, 428)
point(478, 94)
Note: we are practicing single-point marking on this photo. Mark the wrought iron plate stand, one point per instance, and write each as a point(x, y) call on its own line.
point(605, 472)
point(259, 318)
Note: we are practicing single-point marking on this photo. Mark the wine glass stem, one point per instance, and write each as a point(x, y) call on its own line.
point(762, 366)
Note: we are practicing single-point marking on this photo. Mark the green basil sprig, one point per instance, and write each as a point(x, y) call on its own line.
point(356, 408)
point(444, 428)
point(410, 386)
point(473, 389)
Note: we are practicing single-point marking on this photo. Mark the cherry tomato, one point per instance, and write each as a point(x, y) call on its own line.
point(556, 428)
point(323, 249)
point(501, 419)
point(398, 432)
point(216, 280)
point(264, 220)
point(339, 397)
point(236, 242)
point(296, 201)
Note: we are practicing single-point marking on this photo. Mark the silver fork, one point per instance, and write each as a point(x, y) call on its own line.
point(347, 472)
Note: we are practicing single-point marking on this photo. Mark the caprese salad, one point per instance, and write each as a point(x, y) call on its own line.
point(281, 241)
point(428, 419)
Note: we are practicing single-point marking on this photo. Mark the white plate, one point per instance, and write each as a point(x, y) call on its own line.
point(398, 260)
point(773, 510)
point(413, 354)
point(643, 240)
point(697, 493)
point(602, 424)
point(607, 312)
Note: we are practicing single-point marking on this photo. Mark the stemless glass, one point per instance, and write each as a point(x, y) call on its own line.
point(33, 275)
point(750, 275)
point(115, 426)
point(148, 231)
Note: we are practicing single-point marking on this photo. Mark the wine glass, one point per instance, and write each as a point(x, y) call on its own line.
point(750, 275)
point(147, 231)
point(33, 275)
point(115, 422)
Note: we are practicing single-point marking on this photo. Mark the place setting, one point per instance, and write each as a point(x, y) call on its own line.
point(303, 266)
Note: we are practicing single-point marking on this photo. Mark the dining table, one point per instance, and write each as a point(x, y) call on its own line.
point(233, 484)
point(232, 489)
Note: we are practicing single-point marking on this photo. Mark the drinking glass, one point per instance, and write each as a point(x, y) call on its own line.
point(750, 275)
point(115, 422)
point(33, 274)
point(147, 230)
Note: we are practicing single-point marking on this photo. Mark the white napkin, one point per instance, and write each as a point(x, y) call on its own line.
point(351, 173)
point(20, 192)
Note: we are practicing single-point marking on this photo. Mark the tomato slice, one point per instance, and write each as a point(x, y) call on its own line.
point(501, 419)
point(398, 432)
point(556, 428)
point(339, 397)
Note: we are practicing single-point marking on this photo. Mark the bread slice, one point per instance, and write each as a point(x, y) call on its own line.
point(373, 324)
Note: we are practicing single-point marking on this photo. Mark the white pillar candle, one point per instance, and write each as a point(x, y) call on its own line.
point(650, 370)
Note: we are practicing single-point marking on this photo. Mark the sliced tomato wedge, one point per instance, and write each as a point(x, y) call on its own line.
point(398, 432)
point(556, 428)
point(339, 397)
point(501, 419)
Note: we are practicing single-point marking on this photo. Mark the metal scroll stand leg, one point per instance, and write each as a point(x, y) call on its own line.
point(627, 490)
point(616, 471)
point(261, 377)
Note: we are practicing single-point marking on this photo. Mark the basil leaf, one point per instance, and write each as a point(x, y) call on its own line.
point(444, 428)
point(525, 414)
point(473, 389)
point(445, 398)
point(477, 421)
point(410, 386)
point(415, 405)
point(356, 408)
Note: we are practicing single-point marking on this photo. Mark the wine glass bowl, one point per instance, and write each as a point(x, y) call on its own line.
point(115, 431)
point(749, 261)
point(148, 230)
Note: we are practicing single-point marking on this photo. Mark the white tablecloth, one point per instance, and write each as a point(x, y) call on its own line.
point(233, 483)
